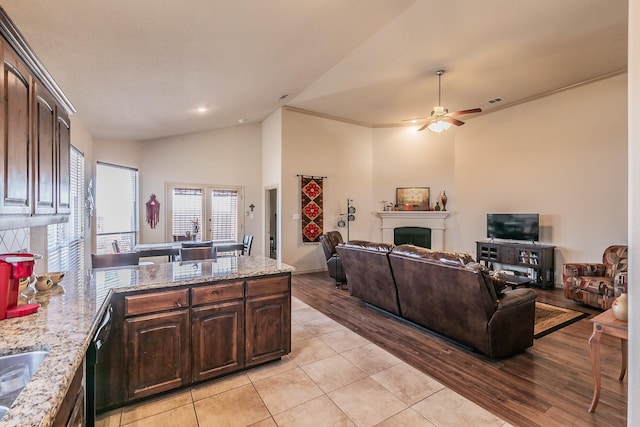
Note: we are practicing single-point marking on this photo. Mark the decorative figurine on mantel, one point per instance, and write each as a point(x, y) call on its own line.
point(387, 206)
point(444, 200)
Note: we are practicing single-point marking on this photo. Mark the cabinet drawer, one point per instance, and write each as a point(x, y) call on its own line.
point(158, 301)
point(216, 293)
point(267, 285)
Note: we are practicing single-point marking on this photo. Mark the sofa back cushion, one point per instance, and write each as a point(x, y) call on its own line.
point(614, 259)
point(329, 241)
point(445, 296)
point(425, 253)
point(369, 277)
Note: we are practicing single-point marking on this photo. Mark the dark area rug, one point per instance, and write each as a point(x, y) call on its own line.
point(550, 318)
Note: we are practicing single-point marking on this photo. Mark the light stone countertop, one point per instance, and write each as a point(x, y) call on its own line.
point(69, 316)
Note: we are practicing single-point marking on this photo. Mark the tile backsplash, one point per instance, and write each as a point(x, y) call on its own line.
point(16, 240)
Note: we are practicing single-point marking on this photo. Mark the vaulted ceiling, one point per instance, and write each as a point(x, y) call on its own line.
point(140, 69)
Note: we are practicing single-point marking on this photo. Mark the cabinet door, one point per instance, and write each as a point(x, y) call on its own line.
point(63, 144)
point(217, 339)
point(158, 350)
point(44, 152)
point(15, 131)
point(71, 411)
point(268, 328)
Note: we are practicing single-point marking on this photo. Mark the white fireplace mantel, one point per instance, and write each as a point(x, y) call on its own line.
point(427, 219)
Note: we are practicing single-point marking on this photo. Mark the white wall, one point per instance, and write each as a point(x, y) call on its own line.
point(271, 177)
point(564, 156)
point(404, 157)
point(633, 387)
point(230, 156)
point(344, 154)
point(83, 141)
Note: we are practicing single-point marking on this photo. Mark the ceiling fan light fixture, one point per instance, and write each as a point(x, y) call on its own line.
point(441, 119)
point(439, 126)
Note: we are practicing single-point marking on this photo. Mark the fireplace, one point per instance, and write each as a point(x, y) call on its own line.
point(433, 220)
point(419, 236)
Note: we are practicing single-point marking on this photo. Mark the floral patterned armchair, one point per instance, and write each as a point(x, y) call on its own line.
point(597, 284)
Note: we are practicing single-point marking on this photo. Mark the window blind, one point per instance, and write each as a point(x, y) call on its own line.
point(65, 241)
point(187, 208)
point(116, 207)
point(224, 214)
point(215, 208)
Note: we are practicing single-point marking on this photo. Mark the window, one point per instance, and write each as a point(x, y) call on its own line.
point(224, 214)
point(191, 203)
point(187, 211)
point(65, 242)
point(116, 207)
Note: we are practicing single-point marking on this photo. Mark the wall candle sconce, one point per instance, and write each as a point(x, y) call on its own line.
point(89, 203)
point(346, 218)
point(252, 207)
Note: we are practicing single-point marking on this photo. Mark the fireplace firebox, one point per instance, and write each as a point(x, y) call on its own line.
point(418, 236)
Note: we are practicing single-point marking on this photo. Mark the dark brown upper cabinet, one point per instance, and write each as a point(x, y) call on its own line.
point(35, 137)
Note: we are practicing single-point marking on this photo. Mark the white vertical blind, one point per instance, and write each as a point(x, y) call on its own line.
point(187, 209)
point(215, 208)
point(65, 242)
point(224, 214)
point(116, 207)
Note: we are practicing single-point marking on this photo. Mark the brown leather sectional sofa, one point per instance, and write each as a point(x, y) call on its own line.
point(445, 292)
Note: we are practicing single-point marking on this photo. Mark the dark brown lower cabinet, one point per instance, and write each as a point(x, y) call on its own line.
point(268, 333)
point(217, 340)
point(71, 412)
point(165, 339)
point(157, 353)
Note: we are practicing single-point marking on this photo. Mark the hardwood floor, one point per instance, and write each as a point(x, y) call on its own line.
point(550, 384)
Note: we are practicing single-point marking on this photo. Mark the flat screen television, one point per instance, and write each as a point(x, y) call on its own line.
point(513, 226)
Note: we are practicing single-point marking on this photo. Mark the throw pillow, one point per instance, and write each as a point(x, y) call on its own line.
point(498, 284)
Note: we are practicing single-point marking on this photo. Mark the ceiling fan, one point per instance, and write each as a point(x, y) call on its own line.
point(441, 119)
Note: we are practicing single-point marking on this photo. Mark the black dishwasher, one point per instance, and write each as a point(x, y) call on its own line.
point(93, 352)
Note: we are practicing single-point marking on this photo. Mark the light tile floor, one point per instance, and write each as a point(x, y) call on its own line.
point(333, 377)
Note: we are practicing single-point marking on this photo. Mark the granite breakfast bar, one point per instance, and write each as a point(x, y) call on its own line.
point(70, 312)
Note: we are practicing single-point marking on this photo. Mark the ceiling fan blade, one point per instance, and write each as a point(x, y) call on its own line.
point(415, 119)
point(424, 126)
point(469, 111)
point(452, 120)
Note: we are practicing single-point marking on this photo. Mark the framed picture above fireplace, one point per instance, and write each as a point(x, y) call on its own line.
point(412, 198)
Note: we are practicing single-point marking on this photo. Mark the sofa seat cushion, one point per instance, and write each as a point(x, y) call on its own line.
point(594, 284)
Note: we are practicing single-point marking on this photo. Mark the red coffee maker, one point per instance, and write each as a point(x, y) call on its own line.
point(14, 267)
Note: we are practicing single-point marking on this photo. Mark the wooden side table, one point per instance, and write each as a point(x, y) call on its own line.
point(606, 323)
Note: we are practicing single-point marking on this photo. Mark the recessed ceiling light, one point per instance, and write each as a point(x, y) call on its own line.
point(243, 120)
point(202, 110)
point(282, 97)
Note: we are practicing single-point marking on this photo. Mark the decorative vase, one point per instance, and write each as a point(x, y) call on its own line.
point(444, 200)
point(619, 308)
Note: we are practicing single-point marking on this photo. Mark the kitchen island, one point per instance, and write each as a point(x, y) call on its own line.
point(70, 312)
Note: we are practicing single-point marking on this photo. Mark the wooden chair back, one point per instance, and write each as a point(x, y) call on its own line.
point(199, 244)
point(183, 237)
point(194, 254)
point(114, 260)
point(247, 241)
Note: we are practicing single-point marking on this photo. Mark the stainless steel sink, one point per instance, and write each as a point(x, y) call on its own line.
point(16, 371)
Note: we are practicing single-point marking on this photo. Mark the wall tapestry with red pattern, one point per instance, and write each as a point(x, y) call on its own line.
point(312, 214)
